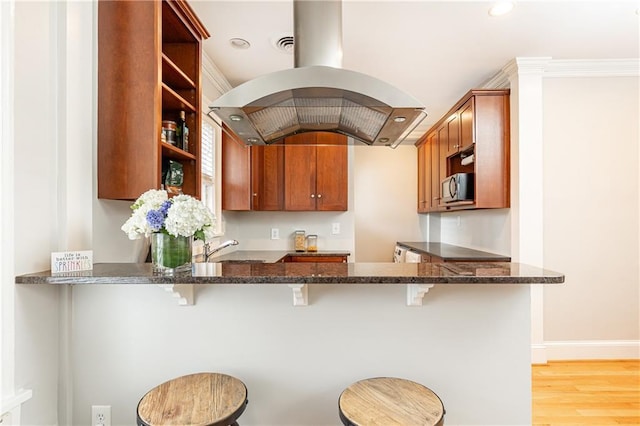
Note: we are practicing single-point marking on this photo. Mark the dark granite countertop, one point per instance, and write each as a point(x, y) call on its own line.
point(451, 253)
point(271, 256)
point(308, 273)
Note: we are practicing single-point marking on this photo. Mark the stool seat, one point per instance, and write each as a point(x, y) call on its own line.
point(388, 401)
point(204, 399)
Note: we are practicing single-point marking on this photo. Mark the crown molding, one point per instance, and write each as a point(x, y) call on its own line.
point(211, 72)
point(593, 68)
point(557, 68)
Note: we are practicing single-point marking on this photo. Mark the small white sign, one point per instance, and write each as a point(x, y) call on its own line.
point(71, 261)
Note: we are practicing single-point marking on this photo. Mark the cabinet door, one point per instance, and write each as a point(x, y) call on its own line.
point(267, 177)
point(300, 172)
point(434, 147)
point(453, 135)
point(317, 259)
point(467, 127)
point(236, 174)
point(424, 174)
point(331, 172)
point(422, 170)
point(443, 141)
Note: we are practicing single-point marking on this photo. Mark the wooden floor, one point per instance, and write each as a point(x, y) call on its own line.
point(586, 393)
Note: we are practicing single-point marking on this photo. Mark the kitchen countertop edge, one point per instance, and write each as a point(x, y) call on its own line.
point(306, 273)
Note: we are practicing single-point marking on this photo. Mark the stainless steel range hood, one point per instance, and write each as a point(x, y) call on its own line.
point(317, 95)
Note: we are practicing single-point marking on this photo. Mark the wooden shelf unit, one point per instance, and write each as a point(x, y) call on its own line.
point(149, 69)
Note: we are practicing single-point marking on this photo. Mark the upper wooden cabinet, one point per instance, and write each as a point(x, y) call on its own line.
point(267, 177)
point(424, 175)
point(149, 69)
point(477, 128)
point(315, 175)
point(307, 172)
point(252, 177)
point(236, 174)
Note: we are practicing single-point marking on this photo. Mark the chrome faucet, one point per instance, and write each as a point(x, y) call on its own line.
point(208, 251)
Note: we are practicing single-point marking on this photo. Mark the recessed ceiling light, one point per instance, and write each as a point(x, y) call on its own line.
point(239, 43)
point(252, 140)
point(235, 117)
point(399, 119)
point(501, 8)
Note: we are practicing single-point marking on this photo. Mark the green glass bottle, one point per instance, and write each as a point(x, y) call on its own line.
point(182, 132)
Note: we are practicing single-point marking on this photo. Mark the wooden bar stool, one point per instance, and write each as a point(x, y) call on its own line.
point(203, 399)
point(387, 401)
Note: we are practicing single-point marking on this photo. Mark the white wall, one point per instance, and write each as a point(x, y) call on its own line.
point(591, 211)
point(385, 201)
point(487, 230)
point(296, 361)
point(35, 203)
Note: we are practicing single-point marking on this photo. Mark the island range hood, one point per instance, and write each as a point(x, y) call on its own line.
point(318, 95)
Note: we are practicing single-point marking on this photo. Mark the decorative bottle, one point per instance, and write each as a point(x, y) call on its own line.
point(182, 132)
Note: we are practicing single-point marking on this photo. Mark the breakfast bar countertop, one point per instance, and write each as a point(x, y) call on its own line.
point(307, 273)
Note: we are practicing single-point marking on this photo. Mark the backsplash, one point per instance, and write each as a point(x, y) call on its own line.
point(253, 229)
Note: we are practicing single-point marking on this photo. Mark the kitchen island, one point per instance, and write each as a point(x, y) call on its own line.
point(469, 342)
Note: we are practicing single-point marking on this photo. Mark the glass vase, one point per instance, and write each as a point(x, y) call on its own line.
point(170, 254)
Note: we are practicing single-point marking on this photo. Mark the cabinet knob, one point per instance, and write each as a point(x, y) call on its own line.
point(255, 194)
point(319, 195)
point(313, 195)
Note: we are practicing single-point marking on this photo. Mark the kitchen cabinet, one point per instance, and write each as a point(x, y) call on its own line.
point(267, 177)
point(252, 177)
point(317, 259)
point(435, 172)
point(473, 137)
point(307, 172)
point(236, 174)
point(149, 62)
point(315, 176)
point(452, 125)
point(424, 173)
point(422, 179)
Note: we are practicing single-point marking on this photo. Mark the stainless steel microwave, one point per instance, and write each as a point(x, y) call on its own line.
point(457, 187)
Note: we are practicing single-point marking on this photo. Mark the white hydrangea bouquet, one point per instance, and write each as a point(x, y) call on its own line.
point(181, 215)
point(172, 224)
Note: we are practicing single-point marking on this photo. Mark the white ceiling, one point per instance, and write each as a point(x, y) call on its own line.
point(434, 50)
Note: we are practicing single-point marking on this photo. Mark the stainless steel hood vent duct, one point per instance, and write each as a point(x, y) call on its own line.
point(317, 95)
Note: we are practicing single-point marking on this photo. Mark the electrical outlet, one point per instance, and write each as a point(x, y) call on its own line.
point(458, 220)
point(275, 234)
point(100, 415)
point(335, 228)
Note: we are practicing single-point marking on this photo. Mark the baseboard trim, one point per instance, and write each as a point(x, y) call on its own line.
point(592, 349)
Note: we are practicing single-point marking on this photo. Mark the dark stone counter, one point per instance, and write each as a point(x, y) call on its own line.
point(451, 253)
point(270, 256)
point(308, 273)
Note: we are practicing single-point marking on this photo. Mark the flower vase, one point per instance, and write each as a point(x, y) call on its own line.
point(170, 254)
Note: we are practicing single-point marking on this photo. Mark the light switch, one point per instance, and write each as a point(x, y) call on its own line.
point(335, 228)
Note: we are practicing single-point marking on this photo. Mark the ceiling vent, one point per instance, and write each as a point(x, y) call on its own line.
point(284, 44)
